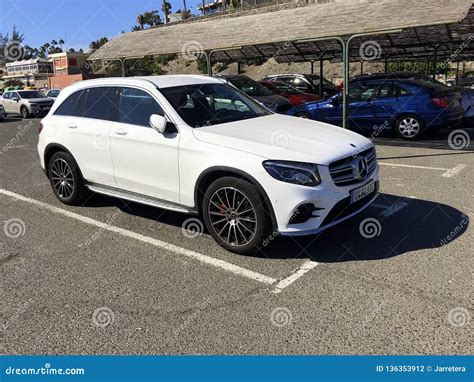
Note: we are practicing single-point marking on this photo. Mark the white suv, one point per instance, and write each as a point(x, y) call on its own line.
point(195, 145)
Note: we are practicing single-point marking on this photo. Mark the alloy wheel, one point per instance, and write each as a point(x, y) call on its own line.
point(232, 216)
point(62, 178)
point(409, 127)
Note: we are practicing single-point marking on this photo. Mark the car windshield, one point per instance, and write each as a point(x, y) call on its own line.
point(30, 94)
point(53, 93)
point(315, 80)
point(211, 104)
point(250, 87)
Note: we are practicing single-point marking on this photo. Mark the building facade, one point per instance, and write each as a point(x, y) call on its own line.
point(34, 72)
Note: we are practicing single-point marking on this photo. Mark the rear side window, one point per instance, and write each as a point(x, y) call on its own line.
point(7, 95)
point(72, 105)
point(101, 103)
point(136, 107)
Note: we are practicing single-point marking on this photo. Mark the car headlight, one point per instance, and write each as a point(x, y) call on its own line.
point(305, 174)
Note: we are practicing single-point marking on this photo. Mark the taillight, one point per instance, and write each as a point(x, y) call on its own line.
point(441, 102)
point(40, 128)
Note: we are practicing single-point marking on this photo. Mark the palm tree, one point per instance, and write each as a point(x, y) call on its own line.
point(61, 42)
point(166, 8)
point(136, 28)
point(184, 6)
point(141, 20)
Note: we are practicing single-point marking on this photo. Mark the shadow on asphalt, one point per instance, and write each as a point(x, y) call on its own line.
point(420, 224)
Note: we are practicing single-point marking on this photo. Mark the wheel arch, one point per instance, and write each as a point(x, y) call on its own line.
point(52, 149)
point(211, 174)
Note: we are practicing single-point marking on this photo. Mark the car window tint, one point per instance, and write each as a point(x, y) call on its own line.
point(362, 93)
point(402, 91)
point(101, 103)
point(68, 107)
point(386, 91)
point(136, 107)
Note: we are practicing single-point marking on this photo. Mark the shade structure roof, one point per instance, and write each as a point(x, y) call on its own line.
point(418, 28)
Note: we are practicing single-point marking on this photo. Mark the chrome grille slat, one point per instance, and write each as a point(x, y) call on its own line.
point(343, 171)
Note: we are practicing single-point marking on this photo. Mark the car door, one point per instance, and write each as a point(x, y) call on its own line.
point(145, 161)
point(86, 118)
point(361, 106)
point(386, 104)
point(6, 101)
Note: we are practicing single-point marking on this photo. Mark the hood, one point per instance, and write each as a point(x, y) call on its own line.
point(283, 137)
point(39, 100)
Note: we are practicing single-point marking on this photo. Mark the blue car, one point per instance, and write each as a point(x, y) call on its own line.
point(408, 106)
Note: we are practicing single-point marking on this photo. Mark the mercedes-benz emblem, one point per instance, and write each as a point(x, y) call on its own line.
point(362, 168)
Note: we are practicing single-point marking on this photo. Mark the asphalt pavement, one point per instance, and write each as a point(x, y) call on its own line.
point(114, 277)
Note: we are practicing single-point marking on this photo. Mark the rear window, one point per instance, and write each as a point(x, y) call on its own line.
point(72, 105)
point(101, 103)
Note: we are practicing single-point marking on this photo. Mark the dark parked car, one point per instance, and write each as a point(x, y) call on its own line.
point(467, 103)
point(467, 79)
point(258, 92)
point(408, 106)
point(308, 83)
point(295, 96)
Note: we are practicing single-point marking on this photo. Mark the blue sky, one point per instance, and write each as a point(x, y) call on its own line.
point(78, 22)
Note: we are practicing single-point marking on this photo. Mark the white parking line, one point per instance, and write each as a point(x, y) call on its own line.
point(448, 172)
point(305, 268)
point(393, 209)
point(412, 166)
point(149, 240)
point(454, 171)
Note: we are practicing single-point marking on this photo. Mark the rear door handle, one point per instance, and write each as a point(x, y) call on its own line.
point(72, 126)
point(120, 132)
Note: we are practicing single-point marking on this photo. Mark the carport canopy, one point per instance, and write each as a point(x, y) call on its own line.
point(335, 30)
point(419, 29)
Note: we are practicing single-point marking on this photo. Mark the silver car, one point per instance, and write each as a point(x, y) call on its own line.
point(26, 103)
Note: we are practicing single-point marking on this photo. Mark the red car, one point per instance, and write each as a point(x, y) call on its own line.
point(295, 96)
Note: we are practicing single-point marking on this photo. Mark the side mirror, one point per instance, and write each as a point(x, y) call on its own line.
point(336, 100)
point(15, 99)
point(158, 122)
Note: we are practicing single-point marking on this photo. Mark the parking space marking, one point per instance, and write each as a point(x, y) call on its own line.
point(413, 166)
point(393, 209)
point(448, 172)
point(305, 268)
point(235, 269)
point(454, 171)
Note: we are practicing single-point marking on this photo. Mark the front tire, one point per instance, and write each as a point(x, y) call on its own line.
point(234, 214)
point(409, 127)
point(66, 180)
point(24, 112)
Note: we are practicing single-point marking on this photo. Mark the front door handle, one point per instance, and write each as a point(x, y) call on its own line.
point(72, 126)
point(121, 132)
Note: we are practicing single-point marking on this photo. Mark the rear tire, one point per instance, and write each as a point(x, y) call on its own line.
point(235, 215)
point(409, 127)
point(66, 179)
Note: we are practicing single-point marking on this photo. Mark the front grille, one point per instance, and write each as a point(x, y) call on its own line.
point(344, 207)
point(347, 171)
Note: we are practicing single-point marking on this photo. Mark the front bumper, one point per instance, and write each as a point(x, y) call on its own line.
point(332, 204)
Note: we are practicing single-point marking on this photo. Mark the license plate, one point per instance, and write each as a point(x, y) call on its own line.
point(363, 191)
